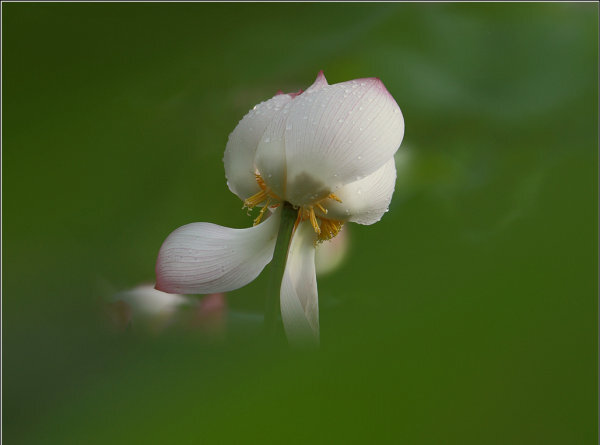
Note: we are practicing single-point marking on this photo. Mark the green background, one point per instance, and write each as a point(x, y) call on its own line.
point(468, 315)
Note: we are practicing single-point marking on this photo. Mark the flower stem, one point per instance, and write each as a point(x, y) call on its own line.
point(272, 310)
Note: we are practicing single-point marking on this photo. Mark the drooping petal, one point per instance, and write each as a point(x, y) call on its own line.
point(243, 142)
point(338, 134)
point(299, 297)
point(202, 258)
point(365, 201)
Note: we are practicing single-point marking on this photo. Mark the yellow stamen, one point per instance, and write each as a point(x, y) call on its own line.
point(256, 199)
point(313, 221)
point(262, 212)
point(321, 208)
point(265, 195)
point(334, 197)
point(329, 228)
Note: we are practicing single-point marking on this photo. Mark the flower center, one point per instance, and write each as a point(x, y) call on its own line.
point(325, 228)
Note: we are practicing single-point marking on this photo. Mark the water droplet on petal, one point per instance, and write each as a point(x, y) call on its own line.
point(267, 140)
point(340, 120)
point(359, 157)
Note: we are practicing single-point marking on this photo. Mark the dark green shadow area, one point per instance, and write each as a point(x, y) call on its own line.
point(468, 315)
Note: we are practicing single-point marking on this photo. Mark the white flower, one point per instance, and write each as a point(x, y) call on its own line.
point(329, 152)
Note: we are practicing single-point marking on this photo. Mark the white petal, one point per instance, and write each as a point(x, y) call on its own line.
point(319, 83)
point(365, 201)
point(338, 134)
point(270, 154)
point(201, 258)
point(299, 298)
point(242, 144)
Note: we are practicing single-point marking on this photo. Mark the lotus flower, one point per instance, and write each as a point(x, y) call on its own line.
point(329, 153)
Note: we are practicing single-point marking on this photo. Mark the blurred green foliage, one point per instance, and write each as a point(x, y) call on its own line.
point(468, 315)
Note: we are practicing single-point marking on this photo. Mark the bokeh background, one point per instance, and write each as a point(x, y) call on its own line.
point(468, 315)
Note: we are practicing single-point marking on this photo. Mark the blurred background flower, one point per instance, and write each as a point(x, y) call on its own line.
point(144, 308)
point(145, 305)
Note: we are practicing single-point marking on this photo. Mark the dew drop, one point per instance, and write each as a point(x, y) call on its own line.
point(340, 120)
point(288, 127)
point(359, 157)
point(267, 140)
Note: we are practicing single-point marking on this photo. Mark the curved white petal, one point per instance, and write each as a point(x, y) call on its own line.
point(242, 144)
point(365, 201)
point(338, 134)
point(299, 297)
point(201, 258)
